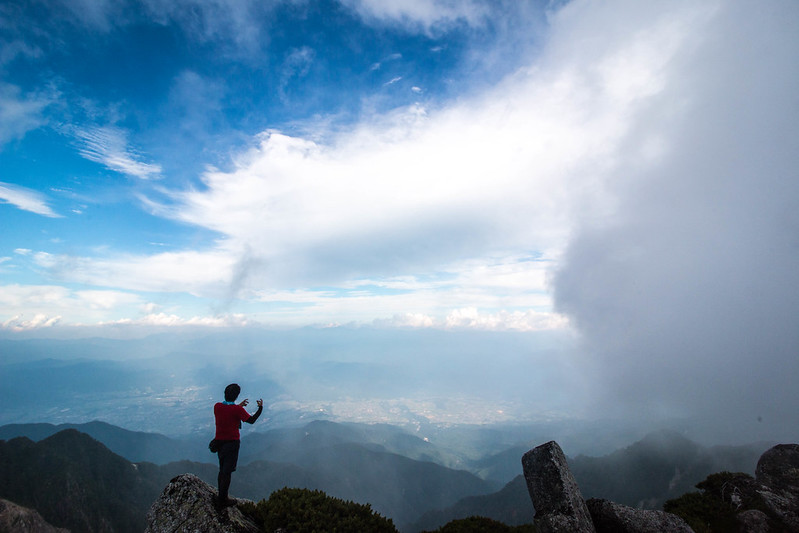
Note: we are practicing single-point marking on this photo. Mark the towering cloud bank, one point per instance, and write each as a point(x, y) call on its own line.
point(686, 290)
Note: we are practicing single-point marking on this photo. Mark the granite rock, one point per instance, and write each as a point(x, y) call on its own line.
point(777, 476)
point(188, 505)
point(557, 500)
point(611, 517)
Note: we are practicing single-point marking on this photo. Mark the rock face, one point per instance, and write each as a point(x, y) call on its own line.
point(18, 519)
point(557, 500)
point(187, 505)
point(777, 477)
point(610, 517)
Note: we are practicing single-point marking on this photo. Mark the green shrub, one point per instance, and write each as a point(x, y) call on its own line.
point(713, 509)
point(480, 524)
point(307, 511)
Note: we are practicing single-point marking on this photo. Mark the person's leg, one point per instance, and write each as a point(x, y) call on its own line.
point(223, 482)
point(228, 459)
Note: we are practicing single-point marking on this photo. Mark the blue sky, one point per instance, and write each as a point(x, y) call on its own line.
point(619, 171)
point(270, 162)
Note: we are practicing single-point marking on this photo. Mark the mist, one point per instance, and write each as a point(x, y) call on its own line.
point(685, 294)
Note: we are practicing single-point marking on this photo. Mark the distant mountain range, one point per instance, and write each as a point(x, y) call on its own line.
point(136, 446)
point(77, 482)
point(97, 477)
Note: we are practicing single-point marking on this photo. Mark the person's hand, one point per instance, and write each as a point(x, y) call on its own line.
point(260, 402)
point(245, 402)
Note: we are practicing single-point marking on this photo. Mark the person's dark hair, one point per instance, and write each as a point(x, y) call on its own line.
point(232, 392)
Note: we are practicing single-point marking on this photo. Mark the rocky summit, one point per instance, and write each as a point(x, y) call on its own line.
point(187, 504)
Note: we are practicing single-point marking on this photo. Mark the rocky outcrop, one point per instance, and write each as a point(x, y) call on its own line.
point(767, 503)
point(753, 521)
point(560, 507)
point(17, 519)
point(558, 503)
point(610, 517)
point(777, 479)
point(187, 504)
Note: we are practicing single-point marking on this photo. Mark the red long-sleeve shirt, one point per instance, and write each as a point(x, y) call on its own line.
point(228, 420)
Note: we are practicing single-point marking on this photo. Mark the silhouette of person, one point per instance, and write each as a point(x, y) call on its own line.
point(229, 416)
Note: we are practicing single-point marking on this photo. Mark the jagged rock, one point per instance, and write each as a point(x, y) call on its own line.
point(610, 517)
point(752, 521)
point(777, 475)
point(559, 505)
point(187, 505)
point(17, 519)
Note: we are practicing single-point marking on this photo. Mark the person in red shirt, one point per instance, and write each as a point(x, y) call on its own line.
point(229, 416)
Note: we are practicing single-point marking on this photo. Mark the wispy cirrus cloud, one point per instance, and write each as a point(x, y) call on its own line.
point(26, 199)
point(109, 147)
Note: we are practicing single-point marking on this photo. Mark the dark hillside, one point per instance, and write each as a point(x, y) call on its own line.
point(511, 506)
point(76, 482)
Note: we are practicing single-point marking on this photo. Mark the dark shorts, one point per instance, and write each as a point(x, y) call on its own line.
point(228, 455)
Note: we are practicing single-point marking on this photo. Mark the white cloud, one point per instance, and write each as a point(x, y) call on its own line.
point(425, 14)
point(424, 192)
point(20, 114)
point(109, 147)
point(49, 303)
point(471, 318)
point(106, 299)
point(507, 170)
point(207, 274)
point(685, 291)
point(229, 22)
point(25, 199)
point(19, 323)
point(171, 320)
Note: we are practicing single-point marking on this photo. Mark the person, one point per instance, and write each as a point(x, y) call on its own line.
point(228, 417)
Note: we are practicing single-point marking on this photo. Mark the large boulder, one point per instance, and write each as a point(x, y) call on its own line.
point(753, 521)
point(18, 519)
point(777, 476)
point(610, 517)
point(187, 505)
point(559, 505)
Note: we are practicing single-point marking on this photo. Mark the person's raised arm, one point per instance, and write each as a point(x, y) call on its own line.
point(254, 417)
